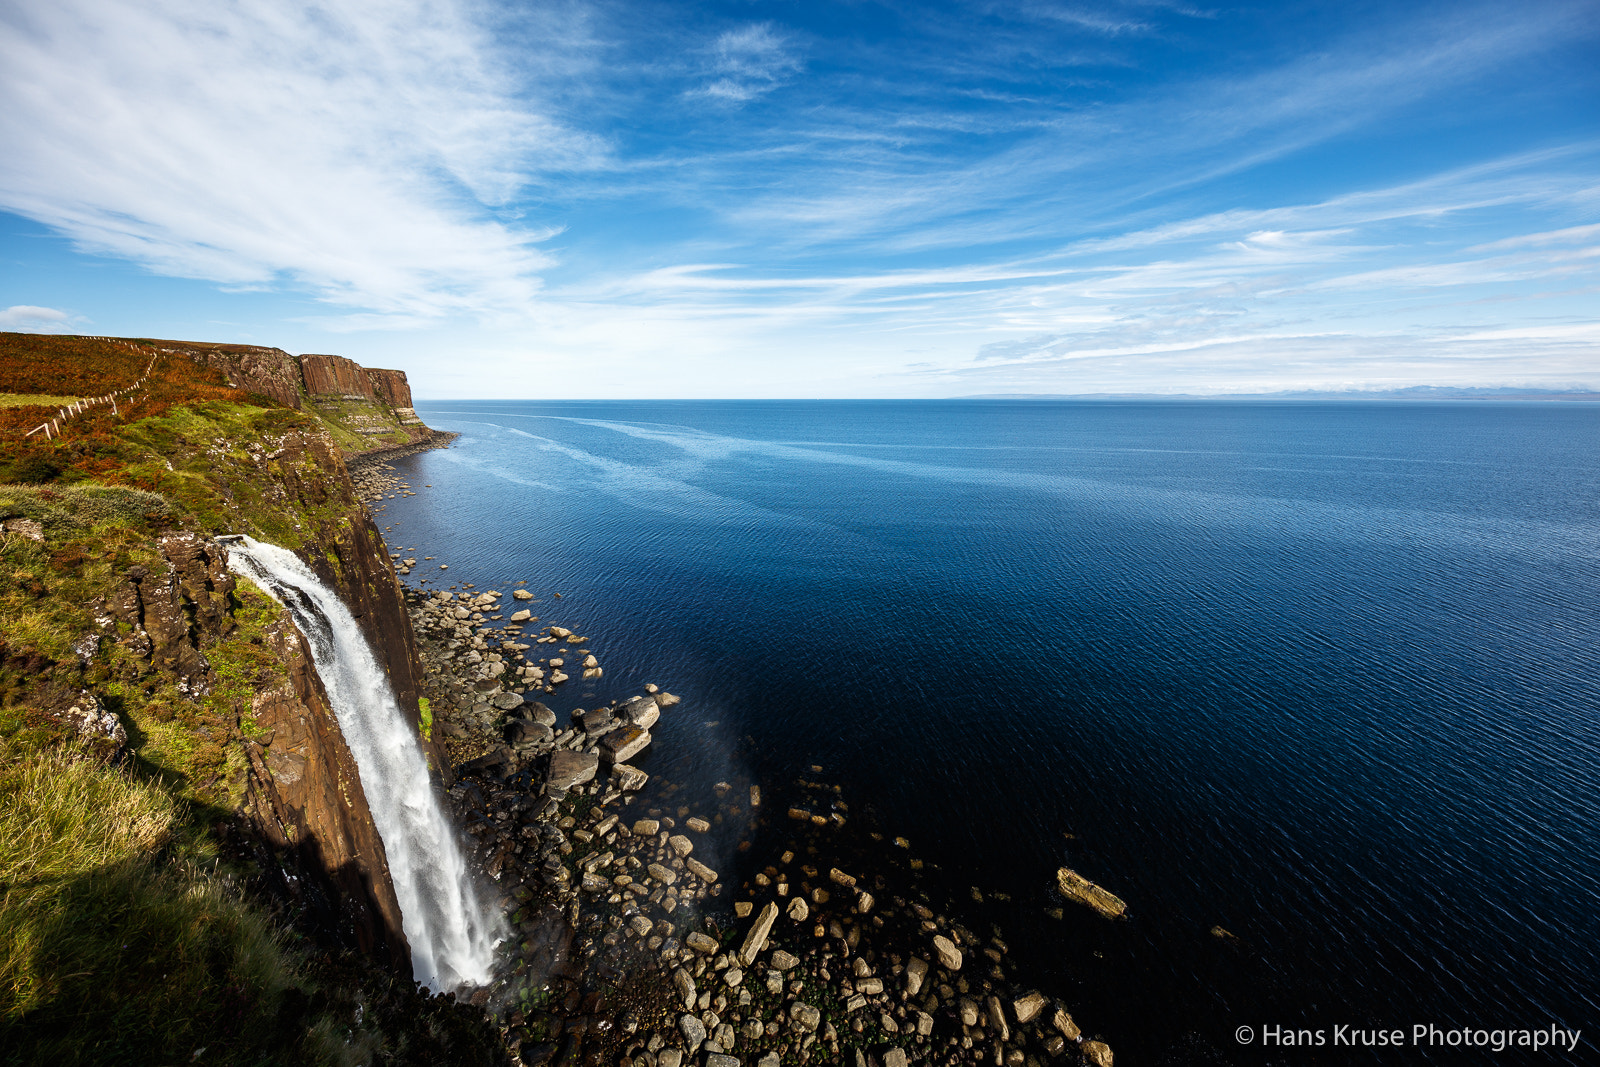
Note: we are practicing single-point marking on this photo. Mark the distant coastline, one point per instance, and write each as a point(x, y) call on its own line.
point(1414, 392)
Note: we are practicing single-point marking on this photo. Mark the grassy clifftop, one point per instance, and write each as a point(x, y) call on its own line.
point(147, 909)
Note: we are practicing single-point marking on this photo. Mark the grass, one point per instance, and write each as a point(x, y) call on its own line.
point(114, 945)
point(35, 400)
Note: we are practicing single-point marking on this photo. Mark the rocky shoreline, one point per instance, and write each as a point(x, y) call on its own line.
point(631, 940)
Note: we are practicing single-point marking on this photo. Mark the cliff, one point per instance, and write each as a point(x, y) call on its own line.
point(364, 409)
point(115, 597)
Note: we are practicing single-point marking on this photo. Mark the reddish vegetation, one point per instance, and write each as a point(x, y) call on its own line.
point(85, 366)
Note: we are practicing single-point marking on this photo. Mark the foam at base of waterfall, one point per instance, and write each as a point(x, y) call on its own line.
point(452, 934)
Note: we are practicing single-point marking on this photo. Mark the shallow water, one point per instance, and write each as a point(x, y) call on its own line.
point(1322, 674)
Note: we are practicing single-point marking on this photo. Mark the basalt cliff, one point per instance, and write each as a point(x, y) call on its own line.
point(129, 650)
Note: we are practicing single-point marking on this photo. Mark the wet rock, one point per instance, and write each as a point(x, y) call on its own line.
point(646, 827)
point(698, 825)
point(1063, 1022)
point(756, 939)
point(701, 871)
point(895, 1057)
point(1097, 1053)
point(949, 955)
point(521, 616)
point(539, 714)
point(798, 911)
point(701, 943)
point(506, 701)
point(664, 875)
point(841, 878)
point(1075, 886)
point(522, 594)
point(782, 960)
point(680, 844)
point(968, 1010)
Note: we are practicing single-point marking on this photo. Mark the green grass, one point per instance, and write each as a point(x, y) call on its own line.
point(425, 715)
point(115, 947)
point(32, 400)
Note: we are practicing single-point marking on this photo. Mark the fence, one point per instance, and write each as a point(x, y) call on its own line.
point(52, 428)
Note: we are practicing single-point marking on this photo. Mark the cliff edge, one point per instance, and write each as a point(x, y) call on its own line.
point(125, 638)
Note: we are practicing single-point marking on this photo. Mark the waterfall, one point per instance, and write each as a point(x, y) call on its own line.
point(452, 934)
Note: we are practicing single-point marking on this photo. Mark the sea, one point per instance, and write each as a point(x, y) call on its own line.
point(1314, 687)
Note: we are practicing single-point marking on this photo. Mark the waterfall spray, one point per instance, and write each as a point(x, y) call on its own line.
point(452, 934)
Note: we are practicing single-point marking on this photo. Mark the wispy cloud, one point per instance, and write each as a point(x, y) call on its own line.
point(747, 63)
point(354, 148)
point(26, 318)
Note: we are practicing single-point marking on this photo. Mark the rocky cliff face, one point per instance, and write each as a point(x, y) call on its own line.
point(120, 574)
point(272, 372)
point(301, 790)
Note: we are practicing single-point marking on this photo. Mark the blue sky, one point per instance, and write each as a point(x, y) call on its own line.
point(817, 199)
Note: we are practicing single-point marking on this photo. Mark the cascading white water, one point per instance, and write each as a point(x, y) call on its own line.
point(452, 934)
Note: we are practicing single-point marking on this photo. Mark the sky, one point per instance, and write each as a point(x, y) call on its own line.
point(817, 199)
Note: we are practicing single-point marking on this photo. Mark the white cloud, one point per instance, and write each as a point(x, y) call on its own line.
point(351, 146)
point(26, 318)
point(748, 62)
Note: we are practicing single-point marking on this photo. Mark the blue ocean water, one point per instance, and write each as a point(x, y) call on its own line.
point(1325, 675)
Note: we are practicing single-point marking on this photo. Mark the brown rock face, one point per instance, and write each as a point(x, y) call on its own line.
point(304, 795)
point(272, 372)
point(336, 376)
point(390, 386)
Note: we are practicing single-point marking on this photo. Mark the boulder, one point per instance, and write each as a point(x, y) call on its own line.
point(506, 701)
point(701, 871)
point(624, 744)
point(539, 713)
point(1075, 886)
point(664, 875)
point(701, 943)
point(521, 616)
point(949, 955)
point(916, 971)
point(782, 960)
point(522, 594)
point(895, 1057)
point(1063, 1022)
point(756, 939)
point(640, 711)
point(568, 768)
point(527, 732)
point(646, 827)
point(693, 1031)
point(798, 910)
point(680, 844)
point(804, 1018)
point(593, 720)
point(698, 825)
point(629, 779)
point(1097, 1053)
point(997, 1018)
point(1027, 1008)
